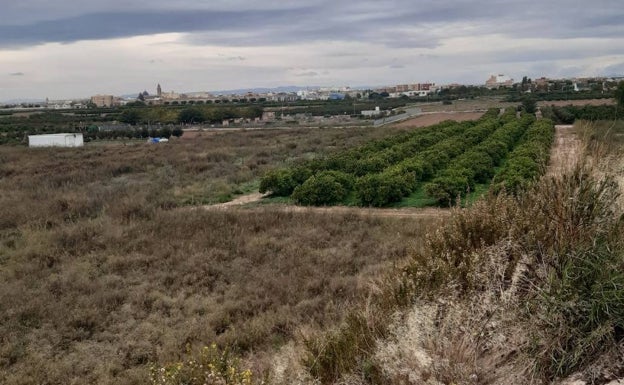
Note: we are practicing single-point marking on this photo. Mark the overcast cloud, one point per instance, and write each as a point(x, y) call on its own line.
point(67, 48)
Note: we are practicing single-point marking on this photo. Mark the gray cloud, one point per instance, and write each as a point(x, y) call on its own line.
point(393, 23)
point(16, 74)
point(238, 43)
point(307, 74)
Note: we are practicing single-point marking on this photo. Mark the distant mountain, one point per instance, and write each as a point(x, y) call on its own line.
point(263, 90)
point(20, 101)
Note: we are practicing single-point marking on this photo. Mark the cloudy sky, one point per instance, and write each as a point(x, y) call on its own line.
point(77, 48)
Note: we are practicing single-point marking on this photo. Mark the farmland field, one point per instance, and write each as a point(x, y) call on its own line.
point(445, 161)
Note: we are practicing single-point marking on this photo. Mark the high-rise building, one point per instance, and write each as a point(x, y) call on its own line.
point(159, 90)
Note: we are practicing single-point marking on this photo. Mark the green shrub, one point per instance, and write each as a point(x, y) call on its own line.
point(528, 160)
point(279, 182)
point(381, 189)
point(446, 189)
point(319, 190)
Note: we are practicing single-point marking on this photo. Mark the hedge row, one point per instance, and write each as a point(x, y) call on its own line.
point(379, 155)
point(372, 157)
point(528, 160)
point(568, 114)
point(400, 180)
point(477, 165)
point(383, 171)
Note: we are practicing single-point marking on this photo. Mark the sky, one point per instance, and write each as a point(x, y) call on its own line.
point(77, 48)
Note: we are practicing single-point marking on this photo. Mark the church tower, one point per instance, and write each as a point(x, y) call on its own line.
point(159, 90)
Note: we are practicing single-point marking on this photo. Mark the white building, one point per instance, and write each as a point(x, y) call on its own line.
point(56, 140)
point(371, 113)
point(500, 80)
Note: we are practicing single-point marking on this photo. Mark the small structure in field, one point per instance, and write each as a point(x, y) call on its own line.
point(56, 140)
point(157, 140)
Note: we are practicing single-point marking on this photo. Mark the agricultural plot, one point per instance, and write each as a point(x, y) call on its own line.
point(443, 161)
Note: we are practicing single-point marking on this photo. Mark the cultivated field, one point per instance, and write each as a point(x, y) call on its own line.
point(446, 161)
point(437, 117)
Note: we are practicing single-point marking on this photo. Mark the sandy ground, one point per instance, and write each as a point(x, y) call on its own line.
point(566, 151)
point(437, 117)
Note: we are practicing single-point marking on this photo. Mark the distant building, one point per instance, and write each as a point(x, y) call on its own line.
point(371, 113)
point(104, 100)
point(268, 116)
point(56, 140)
point(500, 80)
point(170, 95)
point(409, 94)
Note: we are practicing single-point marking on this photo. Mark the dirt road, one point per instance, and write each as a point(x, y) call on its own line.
point(566, 151)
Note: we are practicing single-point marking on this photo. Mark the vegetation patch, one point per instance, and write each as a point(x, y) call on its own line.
point(450, 159)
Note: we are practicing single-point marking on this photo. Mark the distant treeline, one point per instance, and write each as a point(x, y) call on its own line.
point(560, 95)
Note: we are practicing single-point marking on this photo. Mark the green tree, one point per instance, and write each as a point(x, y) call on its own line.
point(529, 104)
point(619, 94)
point(191, 115)
point(130, 116)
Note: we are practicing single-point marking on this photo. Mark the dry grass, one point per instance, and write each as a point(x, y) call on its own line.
point(101, 275)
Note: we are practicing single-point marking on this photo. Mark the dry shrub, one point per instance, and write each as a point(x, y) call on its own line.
point(556, 250)
point(137, 291)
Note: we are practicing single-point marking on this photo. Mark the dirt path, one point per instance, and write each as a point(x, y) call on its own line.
point(566, 151)
point(365, 211)
point(240, 201)
point(245, 200)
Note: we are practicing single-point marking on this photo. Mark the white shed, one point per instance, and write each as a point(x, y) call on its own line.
point(56, 140)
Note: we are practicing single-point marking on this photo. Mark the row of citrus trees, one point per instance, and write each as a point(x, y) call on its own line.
point(449, 157)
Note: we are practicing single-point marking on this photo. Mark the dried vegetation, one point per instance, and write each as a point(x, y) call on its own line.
point(101, 272)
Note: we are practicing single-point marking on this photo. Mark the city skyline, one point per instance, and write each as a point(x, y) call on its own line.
point(68, 49)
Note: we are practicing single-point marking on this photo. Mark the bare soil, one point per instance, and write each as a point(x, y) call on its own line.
point(437, 117)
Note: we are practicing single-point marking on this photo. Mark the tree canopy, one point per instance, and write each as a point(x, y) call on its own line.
point(619, 94)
